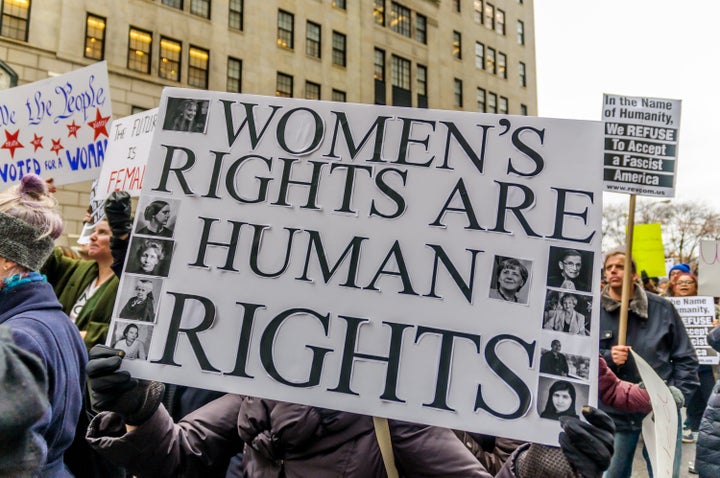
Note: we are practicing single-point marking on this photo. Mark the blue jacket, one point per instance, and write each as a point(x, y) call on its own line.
point(707, 451)
point(40, 326)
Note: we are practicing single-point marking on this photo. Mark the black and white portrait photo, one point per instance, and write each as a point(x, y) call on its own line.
point(186, 114)
point(510, 279)
point(564, 358)
point(560, 398)
point(570, 269)
point(157, 217)
point(132, 338)
point(150, 256)
point(567, 312)
point(139, 298)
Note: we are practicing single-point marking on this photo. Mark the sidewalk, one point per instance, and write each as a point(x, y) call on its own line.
point(688, 455)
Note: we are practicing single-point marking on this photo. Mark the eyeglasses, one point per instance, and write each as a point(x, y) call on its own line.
point(685, 282)
point(574, 265)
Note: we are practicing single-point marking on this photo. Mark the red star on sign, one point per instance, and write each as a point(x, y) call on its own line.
point(37, 142)
point(11, 142)
point(73, 129)
point(56, 147)
point(99, 125)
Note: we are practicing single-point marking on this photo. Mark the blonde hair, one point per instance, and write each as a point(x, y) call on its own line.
point(30, 202)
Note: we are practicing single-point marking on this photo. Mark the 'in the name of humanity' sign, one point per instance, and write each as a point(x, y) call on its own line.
point(641, 142)
point(698, 314)
point(406, 263)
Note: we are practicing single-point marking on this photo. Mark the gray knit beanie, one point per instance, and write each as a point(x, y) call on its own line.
point(22, 243)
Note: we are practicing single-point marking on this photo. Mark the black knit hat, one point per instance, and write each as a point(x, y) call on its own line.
point(22, 243)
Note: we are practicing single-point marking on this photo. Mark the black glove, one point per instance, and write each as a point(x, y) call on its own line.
point(116, 391)
point(117, 211)
point(588, 446)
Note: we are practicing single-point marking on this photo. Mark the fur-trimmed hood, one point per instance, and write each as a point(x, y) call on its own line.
point(638, 303)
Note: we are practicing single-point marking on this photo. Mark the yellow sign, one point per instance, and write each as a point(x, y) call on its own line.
point(648, 250)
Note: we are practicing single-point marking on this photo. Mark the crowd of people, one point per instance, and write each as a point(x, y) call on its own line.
point(67, 409)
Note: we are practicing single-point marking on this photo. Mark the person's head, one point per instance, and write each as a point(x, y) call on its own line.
point(555, 346)
point(130, 333)
point(570, 264)
point(673, 274)
point(188, 110)
point(561, 399)
point(99, 246)
point(143, 288)
point(29, 224)
point(157, 213)
point(568, 302)
point(150, 255)
point(685, 285)
point(511, 275)
point(614, 269)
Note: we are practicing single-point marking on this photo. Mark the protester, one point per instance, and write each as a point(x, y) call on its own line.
point(672, 277)
point(23, 402)
point(707, 450)
point(656, 333)
point(291, 440)
point(28, 225)
point(686, 286)
point(156, 215)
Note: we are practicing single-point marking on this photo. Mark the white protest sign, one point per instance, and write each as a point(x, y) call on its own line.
point(56, 127)
point(659, 427)
point(709, 268)
point(698, 313)
point(641, 141)
point(385, 261)
point(127, 154)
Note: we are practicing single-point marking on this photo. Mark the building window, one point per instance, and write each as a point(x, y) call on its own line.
point(312, 90)
point(379, 74)
point(422, 86)
point(458, 93)
point(339, 51)
point(339, 4)
point(312, 40)
point(523, 110)
point(170, 54)
point(137, 109)
point(479, 55)
point(492, 103)
point(400, 72)
point(480, 100)
point(198, 67)
point(338, 95)
point(400, 19)
point(200, 8)
point(501, 65)
point(457, 45)
point(235, 14)
point(139, 48)
point(15, 19)
point(173, 3)
point(522, 74)
point(286, 27)
point(456, 5)
point(490, 60)
point(379, 12)
point(503, 107)
point(421, 28)
point(489, 16)
point(520, 32)
point(500, 21)
point(284, 85)
point(478, 11)
point(94, 37)
point(234, 75)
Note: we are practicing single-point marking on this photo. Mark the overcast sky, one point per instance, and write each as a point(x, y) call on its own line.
point(654, 48)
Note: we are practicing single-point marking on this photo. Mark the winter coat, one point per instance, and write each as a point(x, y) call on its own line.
point(656, 333)
point(69, 278)
point(624, 396)
point(707, 450)
point(281, 440)
point(39, 326)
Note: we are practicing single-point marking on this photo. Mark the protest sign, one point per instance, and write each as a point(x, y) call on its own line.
point(698, 313)
point(387, 261)
point(709, 268)
point(641, 140)
point(660, 427)
point(648, 250)
point(56, 127)
point(127, 154)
